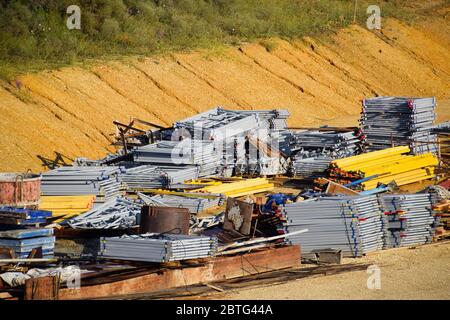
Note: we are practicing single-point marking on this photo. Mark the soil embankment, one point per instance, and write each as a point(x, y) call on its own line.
point(69, 112)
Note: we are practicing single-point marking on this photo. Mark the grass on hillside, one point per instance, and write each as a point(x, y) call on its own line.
point(34, 36)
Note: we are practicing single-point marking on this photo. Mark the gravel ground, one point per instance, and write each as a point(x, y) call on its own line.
point(406, 273)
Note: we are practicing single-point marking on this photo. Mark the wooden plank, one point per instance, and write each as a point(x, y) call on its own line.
point(335, 188)
point(5, 296)
point(42, 288)
point(256, 262)
point(25, 260)
point(214, 287)
point(214, 269)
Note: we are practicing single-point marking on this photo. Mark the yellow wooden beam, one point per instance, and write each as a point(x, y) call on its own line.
point(341, 163)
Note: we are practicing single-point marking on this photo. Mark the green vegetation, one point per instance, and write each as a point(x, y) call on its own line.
point(33, 33)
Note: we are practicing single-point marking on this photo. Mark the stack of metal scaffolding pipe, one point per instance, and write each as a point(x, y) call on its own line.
point(230, 129)
point(117, 213)
point(101, 181)
point(153, 177)
point(394, 121)
point(202, 154)
point(311, 167)
point(411, 219)
point(314, 150)
point(194, 204)
point(356, 225)
point(153, 247)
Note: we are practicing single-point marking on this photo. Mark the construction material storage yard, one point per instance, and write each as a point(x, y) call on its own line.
point(316, 169)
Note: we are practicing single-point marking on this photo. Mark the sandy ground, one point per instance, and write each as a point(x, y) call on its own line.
point(406, 273)
point(69, 112)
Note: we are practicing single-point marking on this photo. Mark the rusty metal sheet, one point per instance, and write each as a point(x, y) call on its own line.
point(164, 220)
point(238, 216)
point(20, 189)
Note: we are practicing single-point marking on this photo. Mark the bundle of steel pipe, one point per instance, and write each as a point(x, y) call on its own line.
point(313, 167)
point(220, 124)
point(276, 119)
point(313, 150)
point(442, 131)
point(262, 166)
point(393, 121)
point(262, 154)
point(153, 177)
point(229, 130)
point(282, 138)
point(101, 181)
point(152, 247)
point(180, 153)
point(217, 125)
point(411, 219)
point(117, 213)
point(354, 224)
point(146, 176)
point(443, 127)
point(194, 204)
point(109, 158)
point(338, 144)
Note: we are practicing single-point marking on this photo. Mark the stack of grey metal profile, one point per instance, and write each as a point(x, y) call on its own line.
point(263, 166)
point(85, 162)
point(282, 138)
point(411, 219)
point(194, 204)
point(399, 121)
point(146, 176)
point(314, 150)
point(276, 119)
point(266, 152)
point(354, 224)
point(152, 176)
point(443, 127)
point(216, 124)
point(101, 181)
point(228, 129)
point(117, 213)
point(202, 154)
point(310, 167)
point(152, 247)
point(263, 155)
point(337, 144)
point(219, 124)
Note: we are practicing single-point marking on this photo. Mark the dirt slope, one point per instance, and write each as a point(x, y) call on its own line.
point(321, 81)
